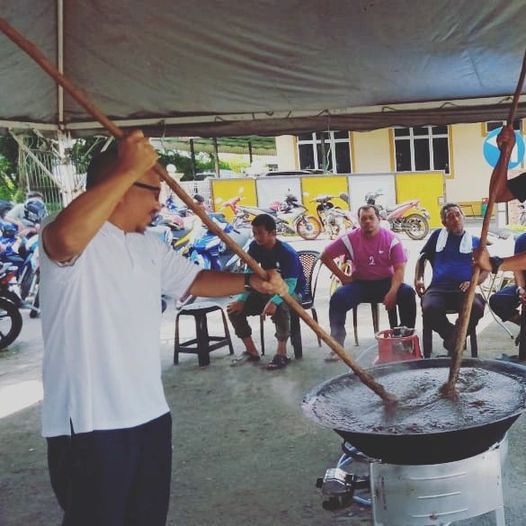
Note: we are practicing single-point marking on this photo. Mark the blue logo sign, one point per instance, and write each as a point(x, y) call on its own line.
point(492, 152)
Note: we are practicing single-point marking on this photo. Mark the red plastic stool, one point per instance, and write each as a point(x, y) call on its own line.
point(397, 348)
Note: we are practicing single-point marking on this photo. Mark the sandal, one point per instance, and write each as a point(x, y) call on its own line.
point(279, 361)
point(245, 357)
point(331, 357)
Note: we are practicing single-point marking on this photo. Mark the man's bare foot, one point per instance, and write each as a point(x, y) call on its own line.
point(250, 346)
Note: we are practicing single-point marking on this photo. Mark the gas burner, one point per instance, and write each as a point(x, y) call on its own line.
point(420, 495)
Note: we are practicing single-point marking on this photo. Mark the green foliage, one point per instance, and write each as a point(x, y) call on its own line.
point(204, 162)
point(83, 150)
point(81, 153)
point(8, 167)
point(183, 163)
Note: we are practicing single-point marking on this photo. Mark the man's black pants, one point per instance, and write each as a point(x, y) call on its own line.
point(435, 303)
point(117, 477)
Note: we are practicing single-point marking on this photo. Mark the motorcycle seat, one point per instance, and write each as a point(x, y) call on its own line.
point(178, 234)
point(268, 211)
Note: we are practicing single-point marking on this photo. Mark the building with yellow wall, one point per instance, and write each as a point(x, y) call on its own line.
point(456, 150)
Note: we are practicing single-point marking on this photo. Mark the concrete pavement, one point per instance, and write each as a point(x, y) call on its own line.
point(243, 452)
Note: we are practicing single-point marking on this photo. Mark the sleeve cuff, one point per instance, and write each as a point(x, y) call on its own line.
point(277, 300)
point(242, 297)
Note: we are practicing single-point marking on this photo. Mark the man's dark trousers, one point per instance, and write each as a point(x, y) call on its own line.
point(348, 297)
point(116, 477)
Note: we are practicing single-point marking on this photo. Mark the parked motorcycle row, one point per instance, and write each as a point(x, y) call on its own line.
point(290, 215)
point(293, 218)
point(185, 233)
point(19, 278)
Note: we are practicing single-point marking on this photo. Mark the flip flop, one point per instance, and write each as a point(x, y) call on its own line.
point(278, 362)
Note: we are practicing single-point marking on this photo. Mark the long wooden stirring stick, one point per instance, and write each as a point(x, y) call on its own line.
point(498, 178)
point(34, 52)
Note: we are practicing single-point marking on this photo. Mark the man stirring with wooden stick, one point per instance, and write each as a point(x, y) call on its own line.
point(104, 415)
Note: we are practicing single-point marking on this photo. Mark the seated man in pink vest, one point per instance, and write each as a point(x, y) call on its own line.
point(378, 264)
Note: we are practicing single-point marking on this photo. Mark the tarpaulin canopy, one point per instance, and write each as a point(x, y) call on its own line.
point(217, 67)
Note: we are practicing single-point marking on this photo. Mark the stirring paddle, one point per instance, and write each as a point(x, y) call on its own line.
point(498, 178)
point(34, 52)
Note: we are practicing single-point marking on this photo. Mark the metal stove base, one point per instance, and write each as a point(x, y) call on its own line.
point(438, 494)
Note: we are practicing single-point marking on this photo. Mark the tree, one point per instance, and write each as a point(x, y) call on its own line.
point(8, 167)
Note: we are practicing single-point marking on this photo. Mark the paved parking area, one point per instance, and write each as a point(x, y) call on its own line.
point(244, 453)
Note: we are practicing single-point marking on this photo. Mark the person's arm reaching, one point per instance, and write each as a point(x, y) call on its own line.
point(510, 188)
point(495, 263)
point(397, 279)
point(217, 284)
point(69, 234)
point(329, 262)
point(420, 268)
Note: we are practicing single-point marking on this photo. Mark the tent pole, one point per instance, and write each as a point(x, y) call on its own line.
point(192, 156)
point(216, 158)
point(60, 60)
point(323, 153)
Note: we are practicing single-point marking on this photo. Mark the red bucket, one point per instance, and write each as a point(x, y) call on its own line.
point(393, 348)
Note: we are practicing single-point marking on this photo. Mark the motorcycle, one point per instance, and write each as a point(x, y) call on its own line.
point(401, 218)
point(29, 272)
point(211, 253)
point(10, 317)
point(23, 254)
point(334, 219)
point(291, 217)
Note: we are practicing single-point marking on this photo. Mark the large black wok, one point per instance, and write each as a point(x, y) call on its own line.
point(331, 405)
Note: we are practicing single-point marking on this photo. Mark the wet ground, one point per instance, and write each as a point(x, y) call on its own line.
point(243, 451)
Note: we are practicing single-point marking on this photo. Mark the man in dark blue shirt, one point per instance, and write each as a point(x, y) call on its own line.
point(450, 252)
point(270, 253)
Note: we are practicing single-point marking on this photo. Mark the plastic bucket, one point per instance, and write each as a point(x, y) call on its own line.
point(395, 348)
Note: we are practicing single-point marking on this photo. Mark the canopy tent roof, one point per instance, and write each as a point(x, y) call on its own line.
point(219, 68)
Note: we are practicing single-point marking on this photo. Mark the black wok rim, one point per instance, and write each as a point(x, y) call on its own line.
point(511, 369)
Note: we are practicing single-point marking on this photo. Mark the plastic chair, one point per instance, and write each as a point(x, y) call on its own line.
point(393, 316)
point(393, 319)
point(203, 343)
point(310, 263)
point(427, 338)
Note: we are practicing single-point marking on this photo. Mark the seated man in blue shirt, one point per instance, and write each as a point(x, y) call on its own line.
point(270, 253)
point(450, 252)
point(505, 303)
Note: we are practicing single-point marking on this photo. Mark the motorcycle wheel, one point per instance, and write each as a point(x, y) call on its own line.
point(10, 323)
point(308, 227)
point(26, 282)
point(35, 311)
point(416, 226)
